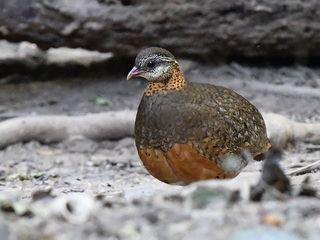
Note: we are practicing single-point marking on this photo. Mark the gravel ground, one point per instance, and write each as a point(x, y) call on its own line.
point(80, 189)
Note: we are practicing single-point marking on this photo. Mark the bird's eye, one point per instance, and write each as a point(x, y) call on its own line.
point(151, 64)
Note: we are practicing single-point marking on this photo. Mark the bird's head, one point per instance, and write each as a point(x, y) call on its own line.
point(154, 64)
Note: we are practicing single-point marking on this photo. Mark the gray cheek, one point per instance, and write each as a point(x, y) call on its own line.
point(159, 72)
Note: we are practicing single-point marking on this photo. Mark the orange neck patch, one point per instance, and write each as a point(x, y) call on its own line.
point(176, 82)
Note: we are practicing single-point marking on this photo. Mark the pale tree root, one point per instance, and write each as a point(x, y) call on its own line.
point(282, 130)
point(48, 129)
point(120, 124)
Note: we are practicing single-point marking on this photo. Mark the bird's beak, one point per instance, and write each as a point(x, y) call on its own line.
point(134, 73)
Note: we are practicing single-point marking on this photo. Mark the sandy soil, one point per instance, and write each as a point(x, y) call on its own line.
point(82, 189)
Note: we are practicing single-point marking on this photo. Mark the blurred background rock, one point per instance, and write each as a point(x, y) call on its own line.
point(212, 32)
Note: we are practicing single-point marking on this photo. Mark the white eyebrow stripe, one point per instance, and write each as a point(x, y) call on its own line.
point(164, 59)
point(167, 59)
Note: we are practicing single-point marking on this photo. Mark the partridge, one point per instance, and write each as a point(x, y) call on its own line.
point(186, 132)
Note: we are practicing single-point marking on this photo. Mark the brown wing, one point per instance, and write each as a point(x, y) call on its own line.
point(228, 121)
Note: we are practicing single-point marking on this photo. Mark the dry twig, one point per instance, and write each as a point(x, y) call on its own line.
point(305, 169)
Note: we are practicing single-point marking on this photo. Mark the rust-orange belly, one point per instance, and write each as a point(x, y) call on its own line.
point(181, 164)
